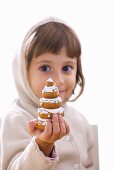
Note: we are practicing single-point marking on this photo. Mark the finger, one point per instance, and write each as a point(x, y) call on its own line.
point(47, 133)
point(56, 128)
point(31, 125)
point(62, 126)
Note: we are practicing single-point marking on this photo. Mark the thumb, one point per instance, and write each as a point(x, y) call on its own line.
point(31, 126)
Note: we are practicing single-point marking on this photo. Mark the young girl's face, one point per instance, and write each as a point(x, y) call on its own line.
point(59, 67)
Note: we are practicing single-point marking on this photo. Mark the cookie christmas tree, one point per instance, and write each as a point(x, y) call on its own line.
point(50, 103)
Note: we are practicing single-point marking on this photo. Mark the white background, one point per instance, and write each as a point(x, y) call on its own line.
point(94, 23)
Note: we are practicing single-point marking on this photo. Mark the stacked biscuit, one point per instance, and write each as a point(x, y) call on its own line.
point(50, 103)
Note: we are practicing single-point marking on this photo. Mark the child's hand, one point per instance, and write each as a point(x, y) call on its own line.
point(54, 130)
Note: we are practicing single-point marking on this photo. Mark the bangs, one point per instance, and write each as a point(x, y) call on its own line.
point(52, 37)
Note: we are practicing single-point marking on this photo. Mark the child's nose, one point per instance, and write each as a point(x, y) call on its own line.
point(59, 79)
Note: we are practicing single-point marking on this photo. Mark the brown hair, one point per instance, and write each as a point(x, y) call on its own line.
point(52, 37)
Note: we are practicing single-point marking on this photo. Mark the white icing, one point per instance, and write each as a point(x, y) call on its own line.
point(50, 80)
point(43, 110)
point(54, 100)
point(43, 120)
point(46, 111)
point(50, 89)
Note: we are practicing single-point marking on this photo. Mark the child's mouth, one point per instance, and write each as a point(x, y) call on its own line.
point(61, 91)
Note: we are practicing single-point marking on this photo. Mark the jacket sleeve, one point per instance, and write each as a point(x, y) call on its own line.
point(31, 158)
point(90, 162)
point(18, 149)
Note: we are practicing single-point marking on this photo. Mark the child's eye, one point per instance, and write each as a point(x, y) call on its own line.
point(45, 68)
point(67, 68)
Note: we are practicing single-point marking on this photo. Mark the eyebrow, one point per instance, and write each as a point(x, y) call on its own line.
point(44, 61)
point(71, 62)
point(47, 61)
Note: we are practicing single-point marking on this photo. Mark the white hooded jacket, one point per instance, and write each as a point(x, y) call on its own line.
point(19, 151)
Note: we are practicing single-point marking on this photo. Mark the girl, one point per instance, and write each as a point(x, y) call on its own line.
point(50, 49)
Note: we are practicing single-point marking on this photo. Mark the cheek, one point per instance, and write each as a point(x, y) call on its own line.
point(38, 88)
point(72, 82)
point(71, 86)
